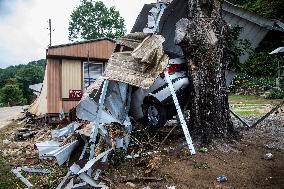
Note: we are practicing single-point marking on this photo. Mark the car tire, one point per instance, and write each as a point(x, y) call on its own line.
point(155, 114)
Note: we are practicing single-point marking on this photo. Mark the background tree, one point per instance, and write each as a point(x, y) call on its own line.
point(12, 94)
point(260, 64)
point(29, 75)
point(15, 80)
point(203, 37)
point(268, 8)
point(92, 20)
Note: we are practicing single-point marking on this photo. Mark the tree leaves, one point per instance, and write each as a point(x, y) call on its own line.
point(13, 95)
point(15, 81)
point(92, 20)
point(268, 8)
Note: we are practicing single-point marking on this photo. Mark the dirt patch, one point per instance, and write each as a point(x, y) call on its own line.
point(242, 163)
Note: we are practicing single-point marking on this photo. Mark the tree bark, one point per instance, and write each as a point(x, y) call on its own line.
point(202, 38)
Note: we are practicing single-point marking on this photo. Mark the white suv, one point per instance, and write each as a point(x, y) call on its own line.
point(155, 105)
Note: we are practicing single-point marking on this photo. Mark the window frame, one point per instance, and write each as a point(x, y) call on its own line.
point(90, 62)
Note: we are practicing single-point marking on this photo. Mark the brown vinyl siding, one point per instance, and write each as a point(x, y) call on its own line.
point(68, 105)
point(97, 49)
point(54, 103)
point(65, 72)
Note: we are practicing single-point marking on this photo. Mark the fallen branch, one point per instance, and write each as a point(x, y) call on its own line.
point(167, 136)
point(138, 179)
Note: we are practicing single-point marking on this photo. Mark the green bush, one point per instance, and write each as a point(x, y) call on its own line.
point(274, 95)
point(248, 86)
point(12, 94)
point(243, 82)
point(260, 64)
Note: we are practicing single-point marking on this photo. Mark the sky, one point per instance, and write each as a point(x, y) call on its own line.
point(24, 34)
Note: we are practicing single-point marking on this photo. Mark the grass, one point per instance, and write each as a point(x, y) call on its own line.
point(251, 100)
point(246, 99)
point(9, 181)
point(249, 105)
point(248, 112)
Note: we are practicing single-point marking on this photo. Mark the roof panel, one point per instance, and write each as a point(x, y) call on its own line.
point(94, 49)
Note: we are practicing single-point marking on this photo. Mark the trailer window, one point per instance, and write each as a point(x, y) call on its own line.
point(92, 71)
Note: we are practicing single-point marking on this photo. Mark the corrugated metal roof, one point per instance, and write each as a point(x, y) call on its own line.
point(172, 14)
point(255, 27)
point(252, 17)
point(93, 49)
point(141, 20)
point(81, 42)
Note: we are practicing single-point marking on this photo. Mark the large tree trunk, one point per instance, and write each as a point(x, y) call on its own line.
point(202, 38)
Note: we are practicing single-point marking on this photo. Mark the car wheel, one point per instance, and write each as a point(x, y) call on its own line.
point(156, 115)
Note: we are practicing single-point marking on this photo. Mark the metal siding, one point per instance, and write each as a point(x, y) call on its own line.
point(54, 103)
point(251, 31)
point(227, 17)
point(97, 49)
point(71, 76)
point(252, 17)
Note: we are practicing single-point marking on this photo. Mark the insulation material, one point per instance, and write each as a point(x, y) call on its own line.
point(132, 40)
point(39, 106)
point(140, 67)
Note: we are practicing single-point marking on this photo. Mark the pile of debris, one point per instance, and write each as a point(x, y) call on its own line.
point(103, 122)
point(103, 115)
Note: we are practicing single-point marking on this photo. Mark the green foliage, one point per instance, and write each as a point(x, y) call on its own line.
point(261, 64)
point(118, 157)
point(92, 20)
point(268, 8)
point(234, 48)
point(29, 75)
point(252, 86)
point(243, 82)
point(274, 95)
point(242, 2)
point(15, 81)
point(12, 94)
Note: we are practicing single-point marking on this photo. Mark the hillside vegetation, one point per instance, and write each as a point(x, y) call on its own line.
point(15, 81)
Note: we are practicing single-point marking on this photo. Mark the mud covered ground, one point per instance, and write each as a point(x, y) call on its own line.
point(242, 162)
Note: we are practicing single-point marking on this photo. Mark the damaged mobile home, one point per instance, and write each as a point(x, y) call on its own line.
point(106, 106)
point(145, 76)
point(135, 64)
point(70, 69)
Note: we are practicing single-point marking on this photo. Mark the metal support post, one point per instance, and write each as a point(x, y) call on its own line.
point(180, 114)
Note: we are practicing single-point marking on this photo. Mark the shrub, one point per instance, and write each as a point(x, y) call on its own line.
point(274, 95)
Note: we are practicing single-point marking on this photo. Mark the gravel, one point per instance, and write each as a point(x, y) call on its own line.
point(272, 128)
